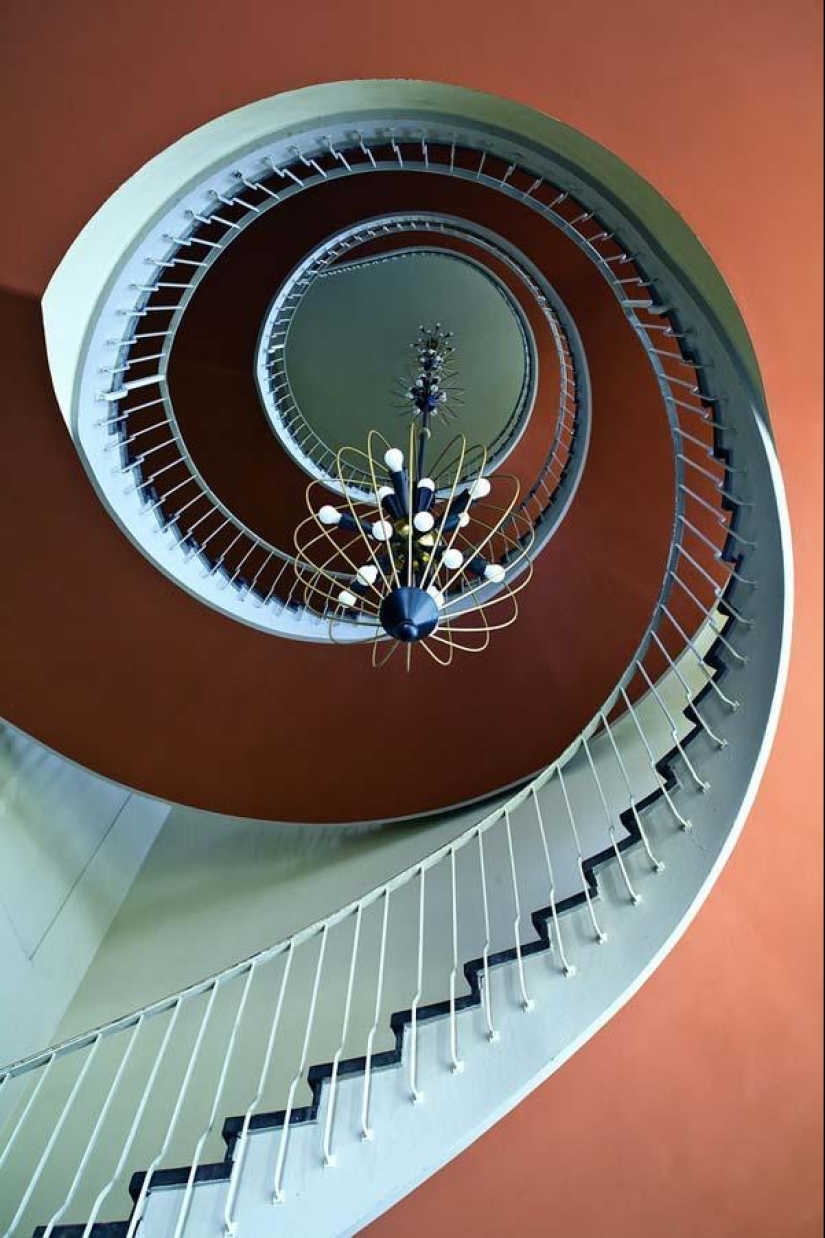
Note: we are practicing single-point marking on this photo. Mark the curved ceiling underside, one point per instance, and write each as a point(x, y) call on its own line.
point(165, 695)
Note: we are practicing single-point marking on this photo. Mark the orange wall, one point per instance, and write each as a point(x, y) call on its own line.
point(697, 1110)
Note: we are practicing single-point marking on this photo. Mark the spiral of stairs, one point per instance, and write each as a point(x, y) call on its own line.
point(591, 800)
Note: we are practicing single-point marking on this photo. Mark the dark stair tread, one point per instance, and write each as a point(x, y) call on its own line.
point(217, 1171)
point(100, 1229)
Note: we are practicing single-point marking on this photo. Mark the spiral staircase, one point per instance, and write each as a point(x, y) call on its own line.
point(586, 809)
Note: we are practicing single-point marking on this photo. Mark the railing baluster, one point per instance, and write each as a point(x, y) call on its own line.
point(175, 515)
point(735, 614)
point(55, 1135)
point(151, 478)
point(568, 968)
point(694, 708)
point(366, 150)
point(456, 1062)
point(6, 1152)
point(136, 1120)
point(231, 579)
point(229, 1224)
point(657, 865)
point(327, 1157)
point(183, 1211)
point(487, 1001)
point(270, 193)
point(718, 485)
point(337, 154)
point(611, 829)
point(278, 1194)
point(683, 822)
point(700, 661)
point(93, 1137)
point(366, 1129)
point(188, 533)
point(700, 782)
point(140, 1202)
point(416, 1095)
point(717, 553)
point(527, 1002)
point(601, 936)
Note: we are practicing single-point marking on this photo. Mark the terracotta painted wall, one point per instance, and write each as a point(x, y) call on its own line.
point(697, 1110)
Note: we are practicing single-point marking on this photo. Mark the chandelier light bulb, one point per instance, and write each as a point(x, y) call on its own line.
point(423, 522)
point(367, 574)
point(394, 460)
point(452, 559)
point(346, 598)
point(436, 595)
point(329, 515)
point(480, 488)
point(382, 530)
point(494, 572)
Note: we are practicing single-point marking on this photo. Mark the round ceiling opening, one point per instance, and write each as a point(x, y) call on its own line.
point(348, 361)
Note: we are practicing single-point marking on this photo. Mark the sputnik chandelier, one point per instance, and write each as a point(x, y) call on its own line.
point(423, 558)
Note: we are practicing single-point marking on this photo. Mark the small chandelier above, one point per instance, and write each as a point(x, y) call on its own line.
point(424, 557)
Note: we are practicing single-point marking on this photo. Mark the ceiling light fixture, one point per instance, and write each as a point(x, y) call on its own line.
point(424, 557)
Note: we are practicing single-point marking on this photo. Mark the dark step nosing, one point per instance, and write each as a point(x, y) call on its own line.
point(218, 1171)
point(100, 1229)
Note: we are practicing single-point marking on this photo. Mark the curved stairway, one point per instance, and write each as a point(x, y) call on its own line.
point(606, 853)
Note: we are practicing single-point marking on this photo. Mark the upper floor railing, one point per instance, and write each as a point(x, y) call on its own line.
point(414, 233)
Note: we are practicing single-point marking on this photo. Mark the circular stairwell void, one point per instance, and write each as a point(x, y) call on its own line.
point(342, 347)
